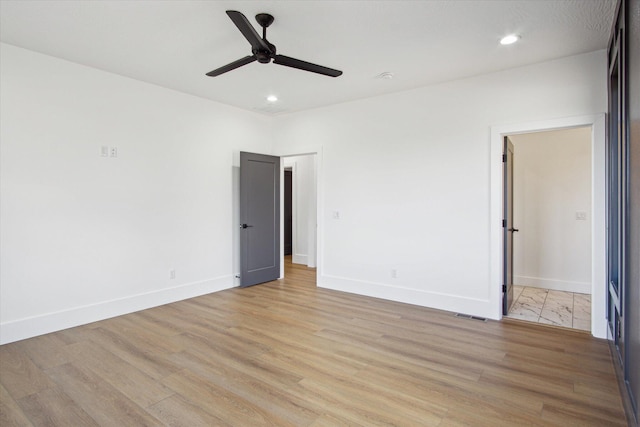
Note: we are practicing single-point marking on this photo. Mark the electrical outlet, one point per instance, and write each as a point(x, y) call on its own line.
point(114, 152)
point(336, 214)
point(394, 273)
point(581, 215)
point(172, 274)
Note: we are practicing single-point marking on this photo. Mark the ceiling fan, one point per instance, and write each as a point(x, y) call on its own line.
point(263, 51)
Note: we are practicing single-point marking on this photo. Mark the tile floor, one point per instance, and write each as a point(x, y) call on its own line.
point(567, 309)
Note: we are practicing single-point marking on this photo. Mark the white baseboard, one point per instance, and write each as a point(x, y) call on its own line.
point(299, 259)
point(440, 301)
point(554, 284)
point(38, 325)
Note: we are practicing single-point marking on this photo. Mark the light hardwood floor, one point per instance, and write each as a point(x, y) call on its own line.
point(287, 353)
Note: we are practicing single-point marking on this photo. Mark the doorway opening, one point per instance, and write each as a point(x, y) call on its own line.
point(258, 204)
point(299, 214)
point(597, 210)
point(549, 235)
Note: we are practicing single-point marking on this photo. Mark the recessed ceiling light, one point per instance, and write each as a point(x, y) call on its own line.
point(510, 39)
point(272, 98)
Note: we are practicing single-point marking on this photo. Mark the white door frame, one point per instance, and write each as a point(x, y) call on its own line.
point(598, 210)
point(305, 151)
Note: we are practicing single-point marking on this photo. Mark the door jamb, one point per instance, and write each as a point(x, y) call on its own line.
point(597, 123)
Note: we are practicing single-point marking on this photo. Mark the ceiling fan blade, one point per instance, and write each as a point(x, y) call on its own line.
point(235, 64)
point(248, 31)
point(306, 66)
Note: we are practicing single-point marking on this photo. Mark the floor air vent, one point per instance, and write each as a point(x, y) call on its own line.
point(466, 316)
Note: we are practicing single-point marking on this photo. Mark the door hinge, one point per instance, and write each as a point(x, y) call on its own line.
point(504, 288)
point(504, 223)
point(504, 158)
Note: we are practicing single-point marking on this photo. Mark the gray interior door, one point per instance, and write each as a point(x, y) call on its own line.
point(507, 224)
point(259, 218)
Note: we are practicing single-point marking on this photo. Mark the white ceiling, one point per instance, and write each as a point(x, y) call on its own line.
point(174, 43)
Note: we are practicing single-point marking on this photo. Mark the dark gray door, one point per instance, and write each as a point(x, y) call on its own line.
point(507, 224)
point(259, 218)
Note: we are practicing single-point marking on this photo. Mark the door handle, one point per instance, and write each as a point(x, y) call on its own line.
point(515, 230)
point(245, 226)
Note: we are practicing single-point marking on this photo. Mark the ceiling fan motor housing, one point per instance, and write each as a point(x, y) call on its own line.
point(264, 56)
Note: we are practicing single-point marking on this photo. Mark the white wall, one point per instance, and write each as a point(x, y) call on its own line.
point(409, 175)
point(86, 237)
point(304, 208)
point(552, 183)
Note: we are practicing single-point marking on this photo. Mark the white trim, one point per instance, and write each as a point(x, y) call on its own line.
point(437, 300)
point(51, 322)
point(554, 284)
point(598, 184)
point(299, 258)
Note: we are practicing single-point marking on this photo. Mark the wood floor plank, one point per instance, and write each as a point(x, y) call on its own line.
point(220, 402)
point(176, 411)
point(270, 397)
point(288, 353)
point(373, 407)
point(328, 356)
point(52, 407)
point(329, 420)
point(127, 379)
point(19, 375)
point(153, 364)
point(259, 367)
point(46, 351)
point(442, 390)
point(430, 360)
point(581, 415)
point(473, 415)
point(604, 391)
point(10, 413)
point(148, 340)
point(544, 383)
point(105, 404)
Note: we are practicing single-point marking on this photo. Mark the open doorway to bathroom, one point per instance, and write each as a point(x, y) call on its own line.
point(552, 248)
